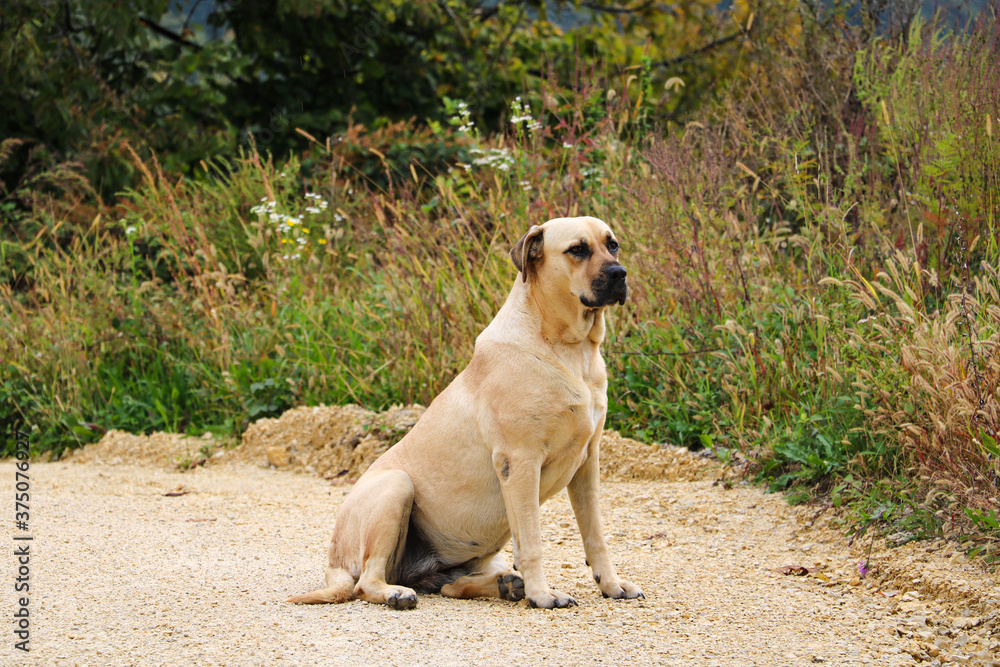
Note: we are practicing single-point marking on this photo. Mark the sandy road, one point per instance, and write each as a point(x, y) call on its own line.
point(125, 575)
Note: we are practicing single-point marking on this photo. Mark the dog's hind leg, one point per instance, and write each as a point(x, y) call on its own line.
point(380, 513)
point(495, 580)
point(368, 542)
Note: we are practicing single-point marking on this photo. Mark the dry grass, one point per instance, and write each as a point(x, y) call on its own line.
point(797, 257)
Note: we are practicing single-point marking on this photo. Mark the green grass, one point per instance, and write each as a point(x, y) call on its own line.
point(800, 291)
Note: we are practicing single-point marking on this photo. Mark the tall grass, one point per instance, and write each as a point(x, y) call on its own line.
point(813, 271)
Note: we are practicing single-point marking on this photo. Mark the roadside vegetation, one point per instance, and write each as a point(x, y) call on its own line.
point(812, 248)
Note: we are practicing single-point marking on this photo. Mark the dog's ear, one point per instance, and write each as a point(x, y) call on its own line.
point(526, 252)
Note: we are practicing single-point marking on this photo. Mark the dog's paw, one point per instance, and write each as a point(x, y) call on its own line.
point(401, 598)
point(621, 590)
point(551, 599)
point(511, 586)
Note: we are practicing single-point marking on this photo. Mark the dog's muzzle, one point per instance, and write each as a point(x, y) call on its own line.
point(609, 287)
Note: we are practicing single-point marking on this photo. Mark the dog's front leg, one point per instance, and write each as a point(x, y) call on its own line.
point(519, 480)
point(584, 496)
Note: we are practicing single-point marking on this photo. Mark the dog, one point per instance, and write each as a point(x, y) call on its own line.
point(520, 423)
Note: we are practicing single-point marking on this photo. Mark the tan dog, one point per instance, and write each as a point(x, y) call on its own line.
point(520, 423)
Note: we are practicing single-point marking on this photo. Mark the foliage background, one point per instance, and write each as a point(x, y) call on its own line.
point(214, 211)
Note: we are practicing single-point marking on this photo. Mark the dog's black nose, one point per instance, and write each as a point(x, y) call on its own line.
point(616, 273)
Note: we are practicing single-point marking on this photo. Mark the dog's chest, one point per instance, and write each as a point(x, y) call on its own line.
point(581, 416)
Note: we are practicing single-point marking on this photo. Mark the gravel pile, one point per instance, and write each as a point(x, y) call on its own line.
point(343, 441)
point(328, 441)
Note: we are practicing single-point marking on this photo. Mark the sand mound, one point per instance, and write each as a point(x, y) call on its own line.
point(159, 449)
point(342, 441)
point(329, 441)
point(626, 460)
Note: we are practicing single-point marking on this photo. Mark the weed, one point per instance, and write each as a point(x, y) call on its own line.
point(813, 274)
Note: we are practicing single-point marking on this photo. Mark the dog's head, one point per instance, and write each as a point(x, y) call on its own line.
point(573, 260)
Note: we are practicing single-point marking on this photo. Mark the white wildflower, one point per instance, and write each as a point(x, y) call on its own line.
point(462, 118)
point(521, 113)
point(496, 158)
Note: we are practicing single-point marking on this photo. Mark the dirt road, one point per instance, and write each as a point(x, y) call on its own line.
point(123, 574)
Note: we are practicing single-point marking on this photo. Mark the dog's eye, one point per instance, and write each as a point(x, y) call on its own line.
point(579, 250)
point(613, 246)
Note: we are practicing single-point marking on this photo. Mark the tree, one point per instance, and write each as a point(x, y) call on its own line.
point(188, 81)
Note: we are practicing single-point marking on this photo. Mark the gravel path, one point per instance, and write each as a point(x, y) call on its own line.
point(125, 575)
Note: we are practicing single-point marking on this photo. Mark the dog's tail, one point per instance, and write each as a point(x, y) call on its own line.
point(339, 588)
